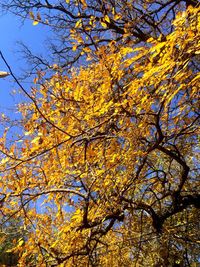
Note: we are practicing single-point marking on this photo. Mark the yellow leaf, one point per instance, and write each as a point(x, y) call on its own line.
point(27, 133)
point(83, 2)
point(35, 140)
point(55, 244)
point(4, 160)
point(21, 242)
point(107, 19)
point(10, 250)
point(35, 22)
point(38, 17)
point(104, 24)
point(78, 23)
point(117, 16)
point(86, 49)
point(113, 11)
point(31, 15)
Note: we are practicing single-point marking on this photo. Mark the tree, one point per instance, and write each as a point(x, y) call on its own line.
point(83, 26)
point(108, 159)
point(11, 234)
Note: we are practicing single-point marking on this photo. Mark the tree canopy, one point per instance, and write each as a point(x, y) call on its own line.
point(107, 162)
point(83, 26)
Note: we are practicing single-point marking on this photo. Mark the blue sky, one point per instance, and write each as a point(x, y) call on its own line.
point(12, 31)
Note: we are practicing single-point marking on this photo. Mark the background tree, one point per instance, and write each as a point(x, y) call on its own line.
point(11, 234)
point(109, 150)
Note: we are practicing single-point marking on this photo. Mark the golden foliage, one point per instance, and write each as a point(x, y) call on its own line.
point(107, 161)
